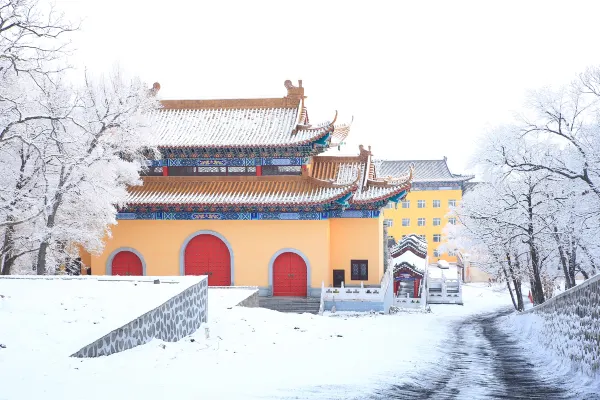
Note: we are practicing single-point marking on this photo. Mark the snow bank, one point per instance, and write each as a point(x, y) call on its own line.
point(564, 331)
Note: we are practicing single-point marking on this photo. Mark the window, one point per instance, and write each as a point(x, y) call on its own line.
point(422, 237)
point(451, 203)
point(389, 205)
point(437, 221)
point(403, 236)
point(421, 204)
point(152, 171)
point(359, 270)
point(437, 238)
point(421, 222)
point(406, 204)
point(405, 221)
point(451, 253)
point(436, 253)
point(388, 222)
point(436, 204)
point(212, 171)
point(282, 170)
point(240, 171)
point(452, 220)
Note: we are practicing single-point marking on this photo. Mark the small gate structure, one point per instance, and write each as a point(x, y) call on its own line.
point(410, 261)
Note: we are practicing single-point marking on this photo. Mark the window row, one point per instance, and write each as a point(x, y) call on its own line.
point(422, 221)
point(423, 203)
point(437, 253)
point(225, 171)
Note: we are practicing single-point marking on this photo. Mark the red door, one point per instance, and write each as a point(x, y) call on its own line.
point(289, 275)
point(208, 255)
point(127, 263)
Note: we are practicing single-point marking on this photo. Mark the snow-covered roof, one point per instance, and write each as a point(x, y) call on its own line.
point(247, 190)
point(425, 170)
point(410, 243)
point(410, 250)
point(350, 168)
point(242, 123)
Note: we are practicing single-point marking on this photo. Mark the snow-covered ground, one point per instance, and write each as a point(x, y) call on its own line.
point(46, 317)
point(250, 353)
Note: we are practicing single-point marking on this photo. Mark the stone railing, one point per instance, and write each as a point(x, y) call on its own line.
point(176, 318)
point(572, 325)
point(353, 293)
point(444, 291)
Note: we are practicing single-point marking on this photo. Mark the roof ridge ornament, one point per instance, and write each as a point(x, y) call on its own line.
point(294, 92)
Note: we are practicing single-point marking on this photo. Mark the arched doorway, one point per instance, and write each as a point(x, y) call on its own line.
point(289, 275)
point(126, 263)
point(207, 254)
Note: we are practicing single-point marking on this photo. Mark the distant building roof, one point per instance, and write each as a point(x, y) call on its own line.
point(425, 170)
point(469, 186)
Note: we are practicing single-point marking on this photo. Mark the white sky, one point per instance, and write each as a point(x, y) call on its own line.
point(423, 79)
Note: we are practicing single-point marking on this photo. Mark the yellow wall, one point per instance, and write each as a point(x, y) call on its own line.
point(357, 239)
point(474, 274)
point(328, 244)
point(397, 230)
point(253, 244)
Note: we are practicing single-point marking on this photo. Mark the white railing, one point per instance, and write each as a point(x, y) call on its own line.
point(442, 290)
point(352, 293)
point(322, 304)
point(387, 286)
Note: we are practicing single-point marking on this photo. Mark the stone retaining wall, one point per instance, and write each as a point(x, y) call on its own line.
point(572, 325)
point(178, 317)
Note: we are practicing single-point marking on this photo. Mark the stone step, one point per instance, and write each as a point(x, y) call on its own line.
point(291, 304)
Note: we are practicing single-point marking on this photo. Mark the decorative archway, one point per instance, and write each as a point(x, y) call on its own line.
point(125, 261)
point(207, 253)
point(289, 273)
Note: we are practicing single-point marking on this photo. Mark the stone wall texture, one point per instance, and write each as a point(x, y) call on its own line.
point(572, 325)
point(178, 317)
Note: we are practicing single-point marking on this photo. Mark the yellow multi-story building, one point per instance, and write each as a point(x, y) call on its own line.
point(426, 210)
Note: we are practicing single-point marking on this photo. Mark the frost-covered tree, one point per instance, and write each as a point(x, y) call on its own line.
point(67, 153)
point(99, 152)
point(536, 219)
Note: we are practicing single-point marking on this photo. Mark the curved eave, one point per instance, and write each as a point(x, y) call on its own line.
point(384, 195)
point(340, 133)
point(409, 266)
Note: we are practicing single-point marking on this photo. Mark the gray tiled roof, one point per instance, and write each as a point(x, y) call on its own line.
point(425, 170)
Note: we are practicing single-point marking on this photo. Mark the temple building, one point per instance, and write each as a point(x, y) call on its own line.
point(242, 193)
point(428, 208)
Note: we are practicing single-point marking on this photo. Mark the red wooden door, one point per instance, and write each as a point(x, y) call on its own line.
point(208, 255)
point(289, 275)
point(127, 263)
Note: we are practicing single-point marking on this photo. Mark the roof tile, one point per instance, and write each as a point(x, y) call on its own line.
point(260, 191)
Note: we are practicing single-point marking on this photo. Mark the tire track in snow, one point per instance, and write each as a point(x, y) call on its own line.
point(481, 362)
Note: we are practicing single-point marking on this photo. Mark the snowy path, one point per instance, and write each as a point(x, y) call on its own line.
point(483, 362)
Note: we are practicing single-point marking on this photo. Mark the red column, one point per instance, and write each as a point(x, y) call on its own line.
point(416, 288)
point(165, 171)
point(259, 170)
